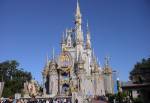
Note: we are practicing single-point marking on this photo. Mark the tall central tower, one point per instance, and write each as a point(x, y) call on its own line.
point(78, 22)
point(78, 31)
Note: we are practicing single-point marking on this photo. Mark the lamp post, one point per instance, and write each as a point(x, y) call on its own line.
point(118, 85)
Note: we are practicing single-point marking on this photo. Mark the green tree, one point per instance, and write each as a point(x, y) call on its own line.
point(141, 75)
point(13, 76)
point(119, 97)
point(141, 72)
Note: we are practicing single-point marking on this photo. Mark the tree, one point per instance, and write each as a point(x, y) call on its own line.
point(141, 72)
point(141, 75)
point(13, 76)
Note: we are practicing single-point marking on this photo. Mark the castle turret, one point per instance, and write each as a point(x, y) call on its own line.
point(88, 38)
point(107, 72)
point(78, 31)
point(78, 23)
point(45, 75)
point(53, 64)
point(88, 46)
point(53, 76)
point(63, 42)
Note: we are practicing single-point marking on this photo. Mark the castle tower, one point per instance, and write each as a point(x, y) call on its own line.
point(45, 75)
point(78, 31)
point(81, 74)
point(108, 81)
point(53, 76)
point(88, 38)
point(63, 42)
point(78, 23)
point(88, 47)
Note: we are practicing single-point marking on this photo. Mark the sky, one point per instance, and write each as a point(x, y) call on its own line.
point(29, 29)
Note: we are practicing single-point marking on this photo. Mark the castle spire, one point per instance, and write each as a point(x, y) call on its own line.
point(88, 38)
point(93, 53)
point(53, 55)
point(46, 58)
point(107, 58)
point(63, 38)
point(78, 13)
point(78, 22)
point(47, 61)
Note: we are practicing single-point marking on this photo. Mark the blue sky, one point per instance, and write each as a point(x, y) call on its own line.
point(29, 29)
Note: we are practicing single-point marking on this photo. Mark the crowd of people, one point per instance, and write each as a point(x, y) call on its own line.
point(35, 100)
point(97, 99)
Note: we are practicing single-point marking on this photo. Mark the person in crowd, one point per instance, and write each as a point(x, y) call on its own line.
point(33, 99)
point(47, 101)
point(76, 100)
point(25, 100)
point(18, 101)
point(9, 100)
point(1, 100)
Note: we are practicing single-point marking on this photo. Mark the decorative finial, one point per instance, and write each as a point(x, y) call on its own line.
point(63, 38)
point(47, 58)
point(107, 58)
point(99, 63)
point(66, 32)
point(93, 53)
point(78, 9)
point(88, 38)
point(53, 54)
point(87, 25)
point(97, 59)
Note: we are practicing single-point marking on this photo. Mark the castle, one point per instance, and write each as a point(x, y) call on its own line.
point(76, 70)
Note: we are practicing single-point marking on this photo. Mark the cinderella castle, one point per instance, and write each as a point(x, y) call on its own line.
point(76, 71)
